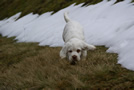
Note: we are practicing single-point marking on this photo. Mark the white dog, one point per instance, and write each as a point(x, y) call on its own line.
point(75, 46)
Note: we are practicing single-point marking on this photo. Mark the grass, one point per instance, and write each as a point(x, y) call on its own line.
point(11, 7)
point(36, 6)
point(31, 67)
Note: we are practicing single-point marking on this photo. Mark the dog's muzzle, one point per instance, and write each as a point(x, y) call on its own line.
point(74, 60)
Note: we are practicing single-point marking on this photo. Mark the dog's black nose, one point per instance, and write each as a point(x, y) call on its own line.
point(74, 57)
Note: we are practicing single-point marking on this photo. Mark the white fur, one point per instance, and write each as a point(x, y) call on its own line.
point(73, 37)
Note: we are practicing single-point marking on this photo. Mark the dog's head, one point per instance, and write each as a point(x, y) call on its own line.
point(73, 50)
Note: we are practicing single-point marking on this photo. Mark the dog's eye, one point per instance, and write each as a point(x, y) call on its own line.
point(78, 50)
point(70, 51)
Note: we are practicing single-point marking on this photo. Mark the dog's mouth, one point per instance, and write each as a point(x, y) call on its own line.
point(74, 62)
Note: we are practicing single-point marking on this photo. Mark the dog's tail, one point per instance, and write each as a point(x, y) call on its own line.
point(67, 19)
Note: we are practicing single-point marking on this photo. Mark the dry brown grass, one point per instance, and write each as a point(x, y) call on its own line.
point(31, 67)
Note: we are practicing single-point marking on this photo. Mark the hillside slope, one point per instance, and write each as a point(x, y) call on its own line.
point(28, 66)
point(11, 7)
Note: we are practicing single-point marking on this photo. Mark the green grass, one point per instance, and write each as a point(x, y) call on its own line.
point(28, 66)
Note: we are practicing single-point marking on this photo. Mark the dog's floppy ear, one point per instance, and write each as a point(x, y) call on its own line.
point(88, 47)
point(63, 51)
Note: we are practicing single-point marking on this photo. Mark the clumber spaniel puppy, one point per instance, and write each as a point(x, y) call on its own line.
point(75, 46)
